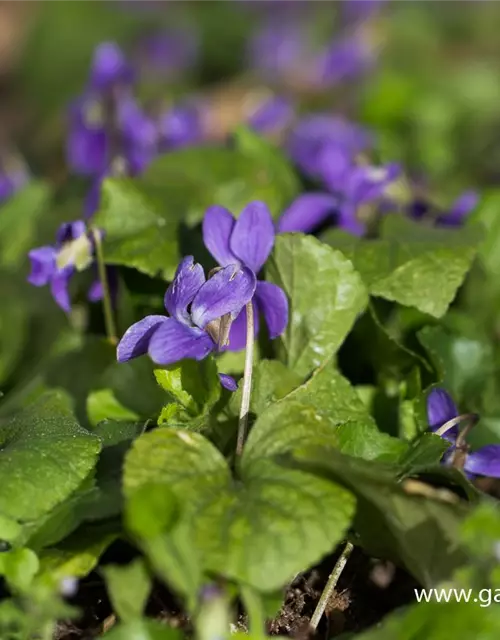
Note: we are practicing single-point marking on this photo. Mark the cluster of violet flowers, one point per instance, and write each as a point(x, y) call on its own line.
point(441, 410)
point(281, 50)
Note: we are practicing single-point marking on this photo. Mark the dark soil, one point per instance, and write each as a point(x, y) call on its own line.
point(366, 592)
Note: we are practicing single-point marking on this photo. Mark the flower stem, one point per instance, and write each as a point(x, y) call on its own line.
point(247, 382)
point(109, 320)
point(330, 585)
point(470, 418)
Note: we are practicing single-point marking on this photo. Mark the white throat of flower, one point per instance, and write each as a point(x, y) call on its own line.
point(76, 253)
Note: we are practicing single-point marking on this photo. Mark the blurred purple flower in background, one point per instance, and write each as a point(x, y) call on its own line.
point(455, 216)
point(440, 410)
point(55, 265)
point(181, 126)
point(312, 133)
point(344, 59)
point(195, 306)
point(357, 11)
point(167, 54)
point(272, 115)
point(247, 241)
point(350, 184)
point(14, 175)
point(109, 134)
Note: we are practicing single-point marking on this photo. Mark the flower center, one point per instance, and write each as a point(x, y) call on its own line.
point(76, 253)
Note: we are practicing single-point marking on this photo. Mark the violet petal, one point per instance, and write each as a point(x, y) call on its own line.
point(109, 67)
point(59, 288)
point(460, 209)
point(307, 212)
point(347, 219)
point(226, 292)
point(441, 409)
point(218, 225)
point(188, 279)
point(273, 114)
point(135, 341)
point(273, 304)
point(484, 461)
point(43, 265)
point(173, 341)
point(70, 231)
point(252, 239)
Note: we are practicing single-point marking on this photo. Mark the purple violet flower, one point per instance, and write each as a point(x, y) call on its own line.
point(454, 216)
point(13, 176)
point(312, 134)
point(440, 409)
point(344, 59)
point(272, 115)
point(195, 306)
point(247, 241)
point(277, 48)
point(181, 127)
point(108, 132)
point(167, 53)
point(357, 11)
point(56, 265)
point(350, 186)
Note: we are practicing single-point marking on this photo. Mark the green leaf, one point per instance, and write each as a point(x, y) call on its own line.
point(263, 528)
point(439, 621)
point(426, 450)
point(187, 181)
point(14, 325)
point(128, 587)
point(139, 232)
point(45, 442)
point(103, 405)
point(141, 218)
point(193, 385)
point(325, 294)
point(487, 214)
point(92, 367)
point(272, 381)
point(78, 555)
point(152, 517)
point(151, 510)
point(464, 364)
point(106, 500)
point(355, 431)
point(415, 265)
point(143, 630)
point(19, 216)
point(19, 567)
point(420, 530)
point(481, 531)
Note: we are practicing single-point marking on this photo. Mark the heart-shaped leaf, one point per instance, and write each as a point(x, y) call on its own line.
point(325, 294)
point(268, 524)
point(412, 264)
point(44, 457)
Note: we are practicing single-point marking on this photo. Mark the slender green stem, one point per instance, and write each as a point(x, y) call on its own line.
point(247, 382)
point(330, 585)
point(107, 305)
point(255, 612)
